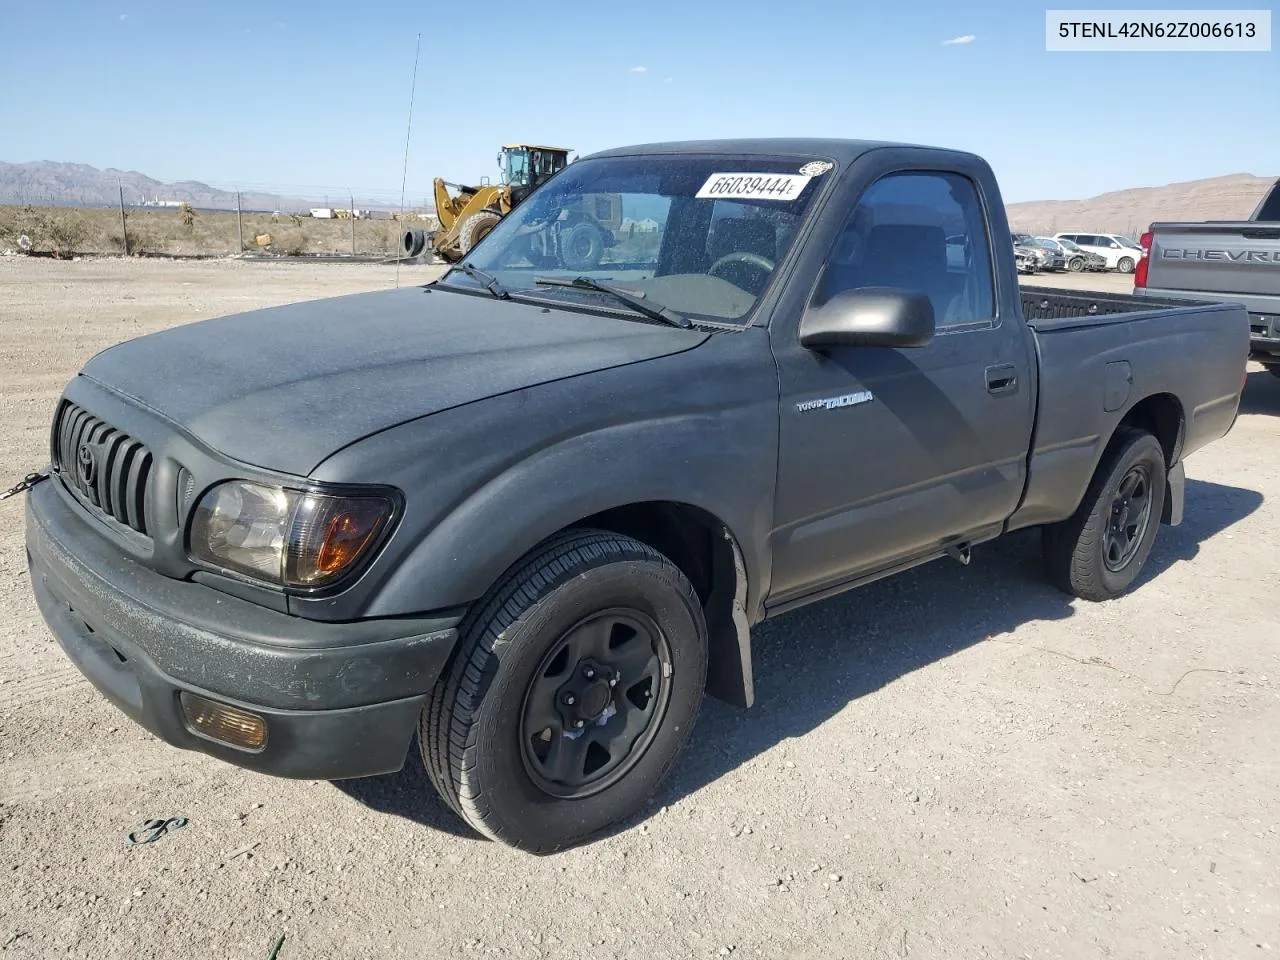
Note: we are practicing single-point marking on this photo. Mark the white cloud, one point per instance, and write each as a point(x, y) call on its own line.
point(124, 16)
point(639, 69)
point(967, 38)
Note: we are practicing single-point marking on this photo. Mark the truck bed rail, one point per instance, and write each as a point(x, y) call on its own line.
point(1049, 303)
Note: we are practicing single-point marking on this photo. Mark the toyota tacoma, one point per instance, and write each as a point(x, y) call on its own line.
point(531, 513)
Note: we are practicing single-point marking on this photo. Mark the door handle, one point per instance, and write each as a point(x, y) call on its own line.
point(1002, 379)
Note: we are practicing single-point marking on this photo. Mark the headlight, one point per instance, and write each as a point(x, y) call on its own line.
point(294, 538)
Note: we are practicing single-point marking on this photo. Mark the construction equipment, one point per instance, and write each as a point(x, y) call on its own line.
point(467, 216)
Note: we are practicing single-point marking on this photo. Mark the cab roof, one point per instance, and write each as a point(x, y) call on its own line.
point(841, 151)
point(535, 146)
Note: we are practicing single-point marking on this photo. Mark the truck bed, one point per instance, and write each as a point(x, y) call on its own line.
point(1046, 308)
point(1098, 354)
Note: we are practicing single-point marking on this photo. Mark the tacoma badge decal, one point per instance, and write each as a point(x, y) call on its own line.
point(833, 403)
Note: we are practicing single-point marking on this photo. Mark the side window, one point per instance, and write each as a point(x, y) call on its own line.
point(921, 231)
point(1269, 210)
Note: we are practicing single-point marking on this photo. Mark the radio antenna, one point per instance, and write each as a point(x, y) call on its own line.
point(404, 176)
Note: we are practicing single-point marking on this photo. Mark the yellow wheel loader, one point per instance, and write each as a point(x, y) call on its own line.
point(468, 215)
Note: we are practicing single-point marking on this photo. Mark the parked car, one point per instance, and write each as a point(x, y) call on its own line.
point(1057, 260)
point(1119, 252)
point(1222, 261)
point(1026, 260)
point(528, 515)
point(1036, 256)
point(1079, 259)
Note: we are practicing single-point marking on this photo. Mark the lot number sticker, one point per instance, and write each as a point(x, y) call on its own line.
point(752, 186)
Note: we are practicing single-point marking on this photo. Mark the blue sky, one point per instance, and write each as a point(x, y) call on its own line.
point(294, 95)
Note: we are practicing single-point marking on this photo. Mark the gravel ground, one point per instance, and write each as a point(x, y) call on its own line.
point(958, 762)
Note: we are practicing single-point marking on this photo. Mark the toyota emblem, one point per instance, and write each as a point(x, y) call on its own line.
point(86, 465)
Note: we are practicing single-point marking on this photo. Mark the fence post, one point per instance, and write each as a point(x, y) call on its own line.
point(352, 198)
point(124, 229)
point(239, 223)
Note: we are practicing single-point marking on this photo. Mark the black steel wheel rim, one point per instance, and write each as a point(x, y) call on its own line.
point(1129, 518)
point(595, 703)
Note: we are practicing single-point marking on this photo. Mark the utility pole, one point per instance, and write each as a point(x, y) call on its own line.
point(352, 198)
point(124, 228)
point(239, 223)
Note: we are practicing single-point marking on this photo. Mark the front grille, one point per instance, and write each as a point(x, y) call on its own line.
point(110, 470)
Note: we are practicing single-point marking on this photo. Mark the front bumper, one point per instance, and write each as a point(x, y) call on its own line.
point(340, 700)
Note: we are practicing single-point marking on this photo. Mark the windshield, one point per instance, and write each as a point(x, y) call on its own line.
point(517, 167)
point(700, 235)
point(1126, 242)
point(1047, 244)
point(1068, 245)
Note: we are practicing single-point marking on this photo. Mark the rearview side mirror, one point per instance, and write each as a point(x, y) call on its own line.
point(870, 317)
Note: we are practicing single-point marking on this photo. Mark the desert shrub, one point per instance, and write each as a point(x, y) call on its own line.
point(54, 230)
point(292, 243)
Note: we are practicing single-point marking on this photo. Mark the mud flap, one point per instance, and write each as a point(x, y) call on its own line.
point(1174, 495)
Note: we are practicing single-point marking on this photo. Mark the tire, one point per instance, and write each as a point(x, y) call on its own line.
point(1080, 553)
point(581, 246)
point(412, 242)
point(1125, 265)
point(475, 228)
point(481, 734)
point(1274, 371)
point(1075, 264)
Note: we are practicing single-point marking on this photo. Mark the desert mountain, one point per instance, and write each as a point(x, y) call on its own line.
point(1232, 197)
point(80, 185)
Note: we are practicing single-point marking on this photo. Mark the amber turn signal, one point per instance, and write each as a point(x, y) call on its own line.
point(329, 535)
point(225, 724)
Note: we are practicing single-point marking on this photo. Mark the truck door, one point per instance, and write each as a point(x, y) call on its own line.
point(887, 454)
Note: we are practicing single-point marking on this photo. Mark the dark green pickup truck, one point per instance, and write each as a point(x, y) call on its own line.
point(531, 513)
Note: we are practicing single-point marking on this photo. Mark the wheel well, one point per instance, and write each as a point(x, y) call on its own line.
point(1160, 415)
point(704, 549)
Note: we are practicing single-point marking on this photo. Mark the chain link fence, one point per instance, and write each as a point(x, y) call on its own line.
point(180, 229)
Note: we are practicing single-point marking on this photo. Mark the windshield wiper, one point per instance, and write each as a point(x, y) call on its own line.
point(486, 280)
point(633, 300)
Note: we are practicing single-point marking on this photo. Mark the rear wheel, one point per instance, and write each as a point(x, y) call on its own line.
point(1125, 265)
point(475, 228)
point(1274, 371)
point(1098, 551)
point(573, 689)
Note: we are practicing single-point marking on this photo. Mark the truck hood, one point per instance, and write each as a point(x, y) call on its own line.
point(285, 387)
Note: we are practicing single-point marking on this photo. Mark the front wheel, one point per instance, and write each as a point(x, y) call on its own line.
point(573, 689)
point(581, 245)
point(1125, 265)
point(1097, 552)
point(1076, 264)
point(475, 228)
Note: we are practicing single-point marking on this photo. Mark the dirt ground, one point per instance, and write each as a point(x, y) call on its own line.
point(954, 763)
